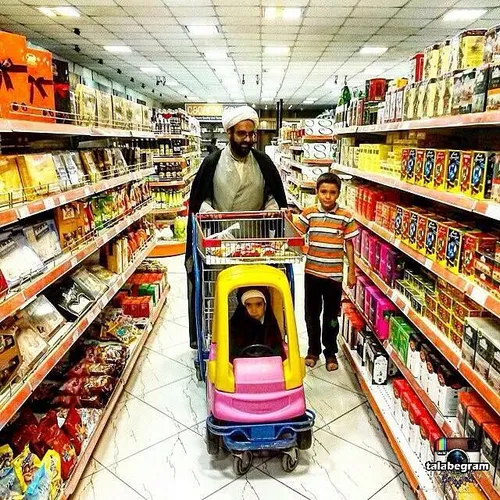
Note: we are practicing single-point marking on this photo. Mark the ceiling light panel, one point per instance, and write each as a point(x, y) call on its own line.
point(118, 49)
point(202, 30)
point(458, 15)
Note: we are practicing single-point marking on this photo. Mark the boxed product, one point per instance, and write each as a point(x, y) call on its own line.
point(431, 232)
point(119, 113)
point(414, 346)
point(454, 241)
point(467, 91)
point(377, 362)
point(429, 165)
point(75, 170)
point(314, 127)
point(18, 261)
point(466, 400)
point(70, 223)
point(86, 98)
point(466, 172)
point(480, 89)
point(483, 167)
point(451, 384)
point(490, 448)
point(146, 117)
point(89, 283)
point(89, 165)
point(477, 417)
point(14, 96)
point(38, 174)
point(467, 49)
point(458, 78)
point(71, 300)
point(488, 340)
point(410, 165)
point(10, 357)
point(31, 345)
point(41, 85)
point(419, 167)
point(399, 387)
point(60, 74)
point(104, 109)
point(43, 239)
point(494, 371)
point(129, 113)
point(492, 45)
point(453, 171)
point(472, 243)
point(440, 169)
point(317, 151)
point(11, 187)
point(493, 94)
point(422, 221)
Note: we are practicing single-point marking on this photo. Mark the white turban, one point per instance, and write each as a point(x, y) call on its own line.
point(252, 294)
point(233, 116)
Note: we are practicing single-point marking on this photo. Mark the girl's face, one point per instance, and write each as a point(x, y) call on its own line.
point(255, 308)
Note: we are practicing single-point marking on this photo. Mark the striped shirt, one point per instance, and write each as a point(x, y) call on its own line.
point(327, 233)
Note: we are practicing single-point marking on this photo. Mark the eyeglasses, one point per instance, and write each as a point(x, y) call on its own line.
point(241, 134)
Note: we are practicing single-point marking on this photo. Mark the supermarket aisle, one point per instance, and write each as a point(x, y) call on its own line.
point(153, 445)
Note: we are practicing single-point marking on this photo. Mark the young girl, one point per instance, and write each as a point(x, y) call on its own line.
point(254, 322)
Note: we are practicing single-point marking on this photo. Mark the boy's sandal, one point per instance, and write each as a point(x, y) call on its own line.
point(311, 360)
point(331, 364)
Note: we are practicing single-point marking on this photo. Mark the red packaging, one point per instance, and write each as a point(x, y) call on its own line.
point(27, 432)
point(440, 167)
point(75, 430)
point(399, 386)
point(41, 85)
point(417, 67)
point(421, 232)
point(376, 89)
point(405, 224)
point(118, 299)
point(473, 242)
point(465, 172)
point(441, 236)
point(419, 167)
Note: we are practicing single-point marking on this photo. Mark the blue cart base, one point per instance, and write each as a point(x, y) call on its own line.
point(243, 439)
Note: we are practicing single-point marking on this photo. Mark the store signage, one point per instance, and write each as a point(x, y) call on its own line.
point(207, 110)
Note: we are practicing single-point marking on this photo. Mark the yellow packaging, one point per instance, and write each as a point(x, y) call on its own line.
point(421, 100)
point(454, 246)
point(52, 464)
point(431, 61)
point(453, 171)
point(38, 175)
point(146, 116)
point(444, 57)
point(430, 106)
point(104, 109)
point(86, 98)
point(129, 112)
point(25, 465)
point(11, 187)
point(440, 169)
point(136, 115)
point(429, 164)
point(118, 111)
point(409, 101)
point(467, 49)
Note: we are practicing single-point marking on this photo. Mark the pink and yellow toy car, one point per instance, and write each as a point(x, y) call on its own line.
point(257, 401)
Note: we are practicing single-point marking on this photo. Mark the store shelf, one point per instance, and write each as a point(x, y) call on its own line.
point(34, 127)
point(66, 262)
point(487, 119)
point(318, 138)
point(486, 208)
point(302, 185)
point(17, 213)
point(26, 388)
point(168, 249)
point(87, 452)
point(184, 135)
point(166, 211)
point(379, 398)
point(472, 290)
point(294, 201)
point(442, 343)
point(166, 184)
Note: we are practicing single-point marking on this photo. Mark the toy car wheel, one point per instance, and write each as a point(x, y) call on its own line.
point(198, 372)
point(242, 464)
point(212, 442)
point(304, 439)
point(289, 463)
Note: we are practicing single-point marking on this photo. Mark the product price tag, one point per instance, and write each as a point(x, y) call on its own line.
point(397, 242)
point(49, 203)
point(389, 349)
point(428, 264)
point(23, 212)
point(479, 295)
point(439, 419)
point(406, 309)
point(74, 261)
point(493, 210)
point(87, 191)
point(62, 199)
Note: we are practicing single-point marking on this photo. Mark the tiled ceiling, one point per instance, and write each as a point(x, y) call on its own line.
point(323, 43)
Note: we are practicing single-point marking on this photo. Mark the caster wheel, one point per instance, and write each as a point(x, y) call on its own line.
point(304, 439)
point(289, 463)
point(242, 464)
point(212, 442)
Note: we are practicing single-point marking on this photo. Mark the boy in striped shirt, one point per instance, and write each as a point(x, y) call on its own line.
point(330, 229)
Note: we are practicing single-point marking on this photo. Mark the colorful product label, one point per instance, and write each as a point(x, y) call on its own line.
point(453, 171)
point(412, 229)
point(410, 165)
point(453, 248)
point(440, 169)
point(465, 172)
point(419, 167)
point(421, 230)
point(430, 238)
point(430, 161)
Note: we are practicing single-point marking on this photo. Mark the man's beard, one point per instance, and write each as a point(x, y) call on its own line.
point(241, 149)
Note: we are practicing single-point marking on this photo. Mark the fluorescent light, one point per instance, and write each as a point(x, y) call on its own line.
point(309, 101)
point(291, 13)
point(276, 51)
point(270, 12)
point(373, 50)
point(203, 30)
point(463, 14)
point(216, 54)
point(48, 12)
point(66, 11)
point(373, 71)
point(172, 83)
point(150, 70)
point(117, 49)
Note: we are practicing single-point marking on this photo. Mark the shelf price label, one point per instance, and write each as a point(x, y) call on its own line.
point(479, 295)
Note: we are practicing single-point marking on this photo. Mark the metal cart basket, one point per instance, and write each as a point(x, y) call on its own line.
point(224, 239)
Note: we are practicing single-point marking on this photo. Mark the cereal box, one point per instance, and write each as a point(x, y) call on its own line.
point(465, 172)
point(453, 171)
point(440, 168)
point(483, 166)
point(430, 161)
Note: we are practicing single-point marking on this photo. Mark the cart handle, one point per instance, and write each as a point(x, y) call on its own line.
point(240, 215)
point(295, 241)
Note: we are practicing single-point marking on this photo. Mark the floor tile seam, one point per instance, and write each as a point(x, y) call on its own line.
point(362, 448)
point(223, 487)
point(177, 433)
point(277, 480)
point(385, 486)
point(168, 357)
point(168, 346)
point(105, 468)
point(339, 386)
point(340, 416)
point(158, 388)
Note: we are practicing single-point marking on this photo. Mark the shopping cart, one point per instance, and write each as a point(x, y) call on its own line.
point(225, 239)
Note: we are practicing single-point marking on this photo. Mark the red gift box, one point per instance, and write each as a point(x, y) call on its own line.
point(41, 86)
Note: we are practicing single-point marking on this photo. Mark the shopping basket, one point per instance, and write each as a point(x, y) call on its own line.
point(248, 237)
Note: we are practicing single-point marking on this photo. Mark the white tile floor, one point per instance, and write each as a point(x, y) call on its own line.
point(153, 446)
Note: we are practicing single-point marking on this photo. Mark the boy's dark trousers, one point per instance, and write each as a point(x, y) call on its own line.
point(326, 294)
